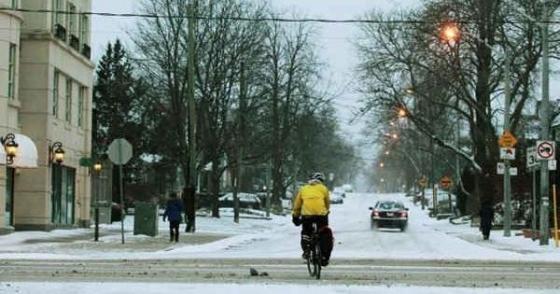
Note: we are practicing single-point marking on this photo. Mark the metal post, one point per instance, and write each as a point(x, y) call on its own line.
point(555, 214)
point(507, 178)
point(534, 192)
point(191, 219)
point(423, 199)
point(545, 122)
point(121, 188)
point(96, 203)
point(435, 201)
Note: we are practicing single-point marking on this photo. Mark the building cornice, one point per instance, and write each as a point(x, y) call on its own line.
point(15, 14)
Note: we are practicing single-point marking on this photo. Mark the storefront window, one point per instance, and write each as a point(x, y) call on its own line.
point(63, 190)
point(9, 220)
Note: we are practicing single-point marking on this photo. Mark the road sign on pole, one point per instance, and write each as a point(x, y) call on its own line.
point(120, 152)
point(507, 153)
point(532, 157)
point(546, 150)
point(507, 140)
point(500, 169)
point(552, 165)
point(446, 182)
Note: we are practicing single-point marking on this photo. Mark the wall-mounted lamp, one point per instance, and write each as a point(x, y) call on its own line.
point(97, 167)
point(11, 147)
point(56, 153)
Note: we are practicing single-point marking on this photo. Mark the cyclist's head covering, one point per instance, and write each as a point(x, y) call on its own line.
point(317, 177)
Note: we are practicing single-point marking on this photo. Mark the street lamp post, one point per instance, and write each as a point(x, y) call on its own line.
point(452, 34)
point(97, 168)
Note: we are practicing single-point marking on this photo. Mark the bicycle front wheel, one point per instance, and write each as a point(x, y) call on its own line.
point(310, 265)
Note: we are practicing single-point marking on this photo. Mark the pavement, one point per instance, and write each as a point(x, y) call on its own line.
point(433, 273)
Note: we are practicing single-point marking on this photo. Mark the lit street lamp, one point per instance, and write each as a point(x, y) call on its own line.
point(56, 153)
point(450, 33)
point(402, 113)
point(11, 147)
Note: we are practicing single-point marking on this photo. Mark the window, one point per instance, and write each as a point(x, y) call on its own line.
point(15, 4)
point(58, 16)
point(84, 29)
point(71, 18)
point(68, 100)
point(12, 71)
point(55, 93)
point(81, 99)
point(63, 191)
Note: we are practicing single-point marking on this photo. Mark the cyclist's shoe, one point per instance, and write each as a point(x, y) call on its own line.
point(305, 255)
point(324, 262)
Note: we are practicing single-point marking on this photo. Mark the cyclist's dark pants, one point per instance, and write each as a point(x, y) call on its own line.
point(325, 234)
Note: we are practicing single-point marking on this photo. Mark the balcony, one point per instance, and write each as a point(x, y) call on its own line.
point(75, 42)
point(86, 51)
point(60, 32)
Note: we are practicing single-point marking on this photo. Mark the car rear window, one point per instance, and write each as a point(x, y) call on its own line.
point(389, 205)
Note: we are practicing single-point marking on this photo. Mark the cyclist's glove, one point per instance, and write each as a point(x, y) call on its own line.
point(296, 220)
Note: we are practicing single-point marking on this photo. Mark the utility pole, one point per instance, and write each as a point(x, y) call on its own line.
point(507, 177)
point(545, 123)
point(240, 140)
point(191, 186)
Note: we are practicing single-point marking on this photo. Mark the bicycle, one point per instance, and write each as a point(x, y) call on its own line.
point(315, 255)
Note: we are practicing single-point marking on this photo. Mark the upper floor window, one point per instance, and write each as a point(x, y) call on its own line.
point(71, 19)
point(81, 100)
point(68, 115)
point(12, 71)
point(15, 4)
point(58, 14)
point(55, 93)
point(84, 29)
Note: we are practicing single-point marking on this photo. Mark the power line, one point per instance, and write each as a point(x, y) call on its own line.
point(251, 19)
point(233, 18)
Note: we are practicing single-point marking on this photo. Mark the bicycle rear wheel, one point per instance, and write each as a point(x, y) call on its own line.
point(317, 260)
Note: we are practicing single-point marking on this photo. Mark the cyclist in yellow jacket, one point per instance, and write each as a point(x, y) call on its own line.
point(312, 205)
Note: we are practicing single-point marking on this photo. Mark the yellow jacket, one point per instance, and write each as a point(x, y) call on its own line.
point(312, 199)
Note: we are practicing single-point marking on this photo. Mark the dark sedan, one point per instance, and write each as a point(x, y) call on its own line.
point(389, 214)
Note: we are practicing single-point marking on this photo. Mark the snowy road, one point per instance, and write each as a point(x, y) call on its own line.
point(367, 272)
point(429, 253)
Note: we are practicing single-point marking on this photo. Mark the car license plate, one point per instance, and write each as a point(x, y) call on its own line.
point(390, 214)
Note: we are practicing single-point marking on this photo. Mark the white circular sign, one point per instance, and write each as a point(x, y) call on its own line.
point(545, 150)
point(120, 151)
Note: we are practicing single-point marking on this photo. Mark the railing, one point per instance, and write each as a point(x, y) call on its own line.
point(86, 51)
point(75, 42)
point(60, 32)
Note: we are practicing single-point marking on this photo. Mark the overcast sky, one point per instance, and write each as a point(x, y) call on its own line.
point(334, 41)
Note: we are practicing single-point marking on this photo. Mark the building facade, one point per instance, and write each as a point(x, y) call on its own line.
point(49, 107)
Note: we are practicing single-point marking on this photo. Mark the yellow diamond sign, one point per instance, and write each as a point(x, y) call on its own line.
point(507, 140)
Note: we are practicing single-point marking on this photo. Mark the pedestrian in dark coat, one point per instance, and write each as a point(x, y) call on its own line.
point(173, 211)
point(486, 217)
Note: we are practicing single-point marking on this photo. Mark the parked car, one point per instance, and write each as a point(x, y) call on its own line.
point(348, 188)
point(246, 200)
point(389, 214)
point(336, 198)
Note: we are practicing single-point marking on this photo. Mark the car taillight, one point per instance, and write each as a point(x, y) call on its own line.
point(375, 213)
point(404, 214)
